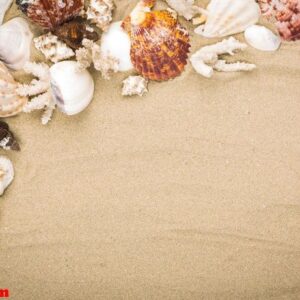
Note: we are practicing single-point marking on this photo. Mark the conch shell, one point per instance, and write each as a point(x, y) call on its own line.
point(227, 17)
point(10, 102)
point(159, 44)
point(50, 13)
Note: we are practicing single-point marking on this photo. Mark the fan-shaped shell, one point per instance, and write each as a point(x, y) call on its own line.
point(10, 102)
point(159, 44)
point(227, 17)
point(50, 13)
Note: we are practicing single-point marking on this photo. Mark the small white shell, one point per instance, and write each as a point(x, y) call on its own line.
point(262, 38)
point(15, 42)
point(6, 173)
point(72, 89)
point(227, 17)
point(134, 85)
point(4, 6)
point(116, 43)
point(10, 102)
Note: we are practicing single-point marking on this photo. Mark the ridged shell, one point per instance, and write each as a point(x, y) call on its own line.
point(227, 17)
point(10, 103)
point(50, 13)
point(15, 43)
point(159, 45)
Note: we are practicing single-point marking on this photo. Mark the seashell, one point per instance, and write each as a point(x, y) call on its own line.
point(74, 32)
point(72, 90)
point(115, 42)
point(262, 38)
point(99, 13)
point(134, 85)
point(7, 139)
point(52, 48)
point(15, 42)
point(227, 17)
point(6, 173)
point(4, 6)
point(10, 102)
point(286, 16)
point(50, 13)
point(159, 44)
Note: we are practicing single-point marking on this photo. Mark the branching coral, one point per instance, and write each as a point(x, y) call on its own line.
point(206, 59)
point(185, 8)
point(39, 90)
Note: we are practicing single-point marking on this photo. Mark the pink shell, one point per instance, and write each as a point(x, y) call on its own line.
point(286, 16)
point(50, 13)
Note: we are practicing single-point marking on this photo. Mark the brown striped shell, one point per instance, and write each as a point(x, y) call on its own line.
point(50, 13)
point(159, 44)
point(10, 102)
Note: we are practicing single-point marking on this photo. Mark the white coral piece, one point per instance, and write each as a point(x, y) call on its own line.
point(134, 85)
point(52, 48)
point(91, 53)
point(186, 8)
point(100, 13)
point(206, 59)
point(39, 89)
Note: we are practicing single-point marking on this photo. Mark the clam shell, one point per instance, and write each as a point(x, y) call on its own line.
point(15, 43)
point(227, 17)
point(262, 38)
point(50, 13)
point(6, 173)
point(4, 6)
point(10, 102)
point(115, 42)
point(72, 90)
point(159, 44)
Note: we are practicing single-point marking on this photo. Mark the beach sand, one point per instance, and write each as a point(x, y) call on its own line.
point(191, 192)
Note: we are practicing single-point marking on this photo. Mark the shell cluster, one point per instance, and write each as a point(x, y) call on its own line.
point(159, 44)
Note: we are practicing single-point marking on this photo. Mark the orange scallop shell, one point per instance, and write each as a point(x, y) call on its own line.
point(50, 13)
point(159, 45)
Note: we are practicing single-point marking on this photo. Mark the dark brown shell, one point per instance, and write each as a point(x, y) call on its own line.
point(5, 133)
point(159, 45)
point(50, 13)
point(74, 32)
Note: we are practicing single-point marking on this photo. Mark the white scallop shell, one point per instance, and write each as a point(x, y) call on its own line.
point(4, 6)
point(227, 17)
point(6, 173)
point(116, 43)
point(10, 102)
point(72, 89)
point(15, 42)
point(262, 38)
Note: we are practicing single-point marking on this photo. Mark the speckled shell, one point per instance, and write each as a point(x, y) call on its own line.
point(10, 103)
point(50, 13)
point(159, 45)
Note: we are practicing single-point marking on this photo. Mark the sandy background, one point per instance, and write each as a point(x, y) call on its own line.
point(191, 192)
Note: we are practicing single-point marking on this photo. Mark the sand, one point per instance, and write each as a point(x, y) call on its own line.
point(191, 192)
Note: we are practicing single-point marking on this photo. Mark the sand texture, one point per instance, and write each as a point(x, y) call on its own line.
point(191, 192)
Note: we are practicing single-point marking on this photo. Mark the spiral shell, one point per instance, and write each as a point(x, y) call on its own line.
point(50, 13)
point(10, 102)
point(159, 44)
